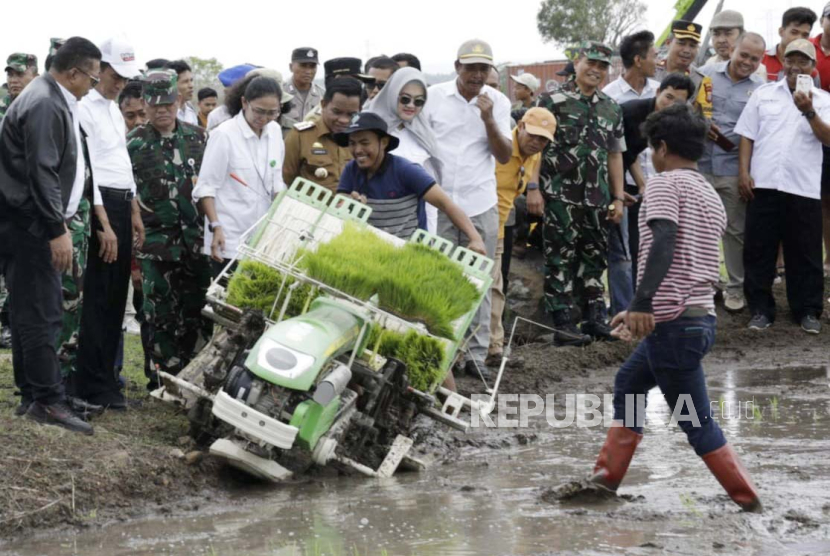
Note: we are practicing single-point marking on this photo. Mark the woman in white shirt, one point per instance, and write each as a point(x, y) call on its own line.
point(242, 169)
point(400, 103)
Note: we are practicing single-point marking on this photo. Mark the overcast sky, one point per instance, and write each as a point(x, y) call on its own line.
point(264, 33)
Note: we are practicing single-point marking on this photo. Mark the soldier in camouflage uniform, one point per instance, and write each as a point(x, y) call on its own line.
point(72, 287)
point(580, 181)
point(21, 69)
point(166, 155)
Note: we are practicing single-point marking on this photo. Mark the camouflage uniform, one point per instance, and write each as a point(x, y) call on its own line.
point(5, 102)
point(574, 182)
point(175, 273)
point(72, 287)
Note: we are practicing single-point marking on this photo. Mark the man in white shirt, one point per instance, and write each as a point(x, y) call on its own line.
point(471, 123)
point(116, 221)
point(639, 58)
point(186, 113)
point(782, 132)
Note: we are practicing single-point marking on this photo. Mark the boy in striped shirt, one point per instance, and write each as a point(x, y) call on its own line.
point(673, 311)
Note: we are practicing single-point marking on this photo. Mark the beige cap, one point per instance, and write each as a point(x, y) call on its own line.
point(727, 19)
point(539, 121)
point(475, 51)
point(528, 80)
point(803, 46)
point(276, 76)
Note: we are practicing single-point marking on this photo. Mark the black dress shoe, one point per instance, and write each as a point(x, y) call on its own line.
point(108, 400)
point(476, 370)
point(21, 409)
point(84, 409)
point(60, 415)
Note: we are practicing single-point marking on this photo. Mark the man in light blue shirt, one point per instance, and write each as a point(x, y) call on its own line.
point(733, 83)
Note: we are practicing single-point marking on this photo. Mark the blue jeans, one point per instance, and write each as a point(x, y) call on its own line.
point(620, 281)
point(670, 358)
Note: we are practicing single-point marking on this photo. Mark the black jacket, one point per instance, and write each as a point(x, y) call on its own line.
point(635, 113)
point(38, 159)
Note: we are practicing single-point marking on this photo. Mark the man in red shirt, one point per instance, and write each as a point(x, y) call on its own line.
point(822, 44)
point(795, 24)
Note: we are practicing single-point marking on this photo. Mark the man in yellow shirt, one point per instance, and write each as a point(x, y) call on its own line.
point(530, 137)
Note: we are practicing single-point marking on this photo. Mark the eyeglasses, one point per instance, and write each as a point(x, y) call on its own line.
point(377, 85)
point(265, 113)
point(95, 80)
point(406, 100)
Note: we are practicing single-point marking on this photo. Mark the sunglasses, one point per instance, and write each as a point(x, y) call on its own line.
point(406, 100)
point(94, 80)
point(377, 85)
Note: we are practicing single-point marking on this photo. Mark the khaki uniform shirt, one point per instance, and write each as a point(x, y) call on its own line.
point(312, 154)
point(299, 109)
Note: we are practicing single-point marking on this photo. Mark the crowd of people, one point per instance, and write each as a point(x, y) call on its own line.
point(115, 177)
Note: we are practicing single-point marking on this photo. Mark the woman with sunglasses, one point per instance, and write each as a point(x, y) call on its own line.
point(242, 169)
point(400, 104)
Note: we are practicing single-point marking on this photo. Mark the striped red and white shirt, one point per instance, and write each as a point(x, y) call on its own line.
point(687, 199)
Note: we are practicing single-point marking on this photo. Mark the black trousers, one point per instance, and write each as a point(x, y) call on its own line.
point(505, 258)
point(633, 232)
point(105, 298)
point(773, 218)
point(36, 312)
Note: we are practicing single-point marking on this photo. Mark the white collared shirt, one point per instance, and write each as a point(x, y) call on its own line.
point(188, 114)
point(468, 167)
point(217, 116)
point(107, 143)
point(787, 156)
point(80, 168)
point(621, 91)
point(234, 148)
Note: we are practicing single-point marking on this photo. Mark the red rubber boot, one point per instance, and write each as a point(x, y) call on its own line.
point(615, 456)
point(734, 478)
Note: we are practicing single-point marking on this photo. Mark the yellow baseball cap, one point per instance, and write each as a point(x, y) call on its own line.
point(539, 121)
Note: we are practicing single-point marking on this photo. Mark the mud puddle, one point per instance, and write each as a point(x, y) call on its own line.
point(488, 502)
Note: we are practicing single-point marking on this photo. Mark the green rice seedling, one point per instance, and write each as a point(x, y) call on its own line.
point(414, 282)
point(255, 286)
point(423, 356)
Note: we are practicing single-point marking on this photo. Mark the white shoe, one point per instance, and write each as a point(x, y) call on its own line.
point(734, 303)
point(132, 327)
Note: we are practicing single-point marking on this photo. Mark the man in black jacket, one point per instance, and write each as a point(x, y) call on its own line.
point(41, 183)
point(675, 89)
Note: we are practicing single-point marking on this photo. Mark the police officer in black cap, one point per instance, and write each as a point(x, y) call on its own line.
point(307, 94)
point(683, 46)
point(343, 67)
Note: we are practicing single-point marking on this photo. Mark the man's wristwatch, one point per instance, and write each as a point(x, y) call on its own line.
point(532, 186)
point(213, 225)
point(810, 114)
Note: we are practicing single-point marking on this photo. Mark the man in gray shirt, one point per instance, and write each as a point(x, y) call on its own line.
point(732, 83)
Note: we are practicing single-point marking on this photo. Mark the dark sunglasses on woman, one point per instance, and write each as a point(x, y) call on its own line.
point(406, 100)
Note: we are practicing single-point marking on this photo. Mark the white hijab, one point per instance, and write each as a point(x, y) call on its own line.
point(385, 105)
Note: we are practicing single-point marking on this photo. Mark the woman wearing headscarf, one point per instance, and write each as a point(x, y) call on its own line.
point(400, 104)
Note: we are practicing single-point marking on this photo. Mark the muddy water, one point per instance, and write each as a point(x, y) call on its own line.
point(488, 501)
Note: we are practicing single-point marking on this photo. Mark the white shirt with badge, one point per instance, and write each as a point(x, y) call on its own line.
point(468, 167)
point(786, 156)
point(243, 173)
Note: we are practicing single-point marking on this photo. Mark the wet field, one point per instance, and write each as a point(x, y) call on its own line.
point(487, 499)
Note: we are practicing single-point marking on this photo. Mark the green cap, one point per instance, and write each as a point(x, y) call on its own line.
point(19, 61)
point(160, 87)
point(54, 45)
point(594, 51)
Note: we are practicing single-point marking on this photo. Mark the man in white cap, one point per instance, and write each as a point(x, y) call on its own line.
point(524, 90)
point(116, 225)
point(471, 123)
point(782, 131)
